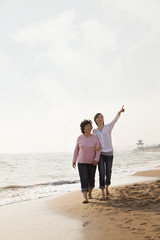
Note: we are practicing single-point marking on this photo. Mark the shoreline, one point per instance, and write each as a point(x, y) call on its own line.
point(132, 212)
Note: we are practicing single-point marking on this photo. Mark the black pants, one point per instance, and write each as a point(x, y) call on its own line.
point(87, 175)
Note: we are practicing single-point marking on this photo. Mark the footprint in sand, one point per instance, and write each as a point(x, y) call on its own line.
point(85, 223)
point(148, 238)
point(129, 221)
point(143, 223)
point(140, 229)
point(119, 225)
point(157, 230)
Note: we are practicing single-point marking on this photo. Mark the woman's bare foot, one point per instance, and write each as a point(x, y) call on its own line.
point(107, 191)
point(85, 197)
point(103, 195)
point(90, 193)
point(85, 201)
point(90, 196)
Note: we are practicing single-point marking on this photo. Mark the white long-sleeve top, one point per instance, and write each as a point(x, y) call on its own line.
point(105, 137)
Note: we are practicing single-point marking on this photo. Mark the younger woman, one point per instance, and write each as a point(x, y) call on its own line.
point(103, 132)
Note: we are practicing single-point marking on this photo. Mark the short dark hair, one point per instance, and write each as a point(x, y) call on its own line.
point(84, 123)
point(95, 117)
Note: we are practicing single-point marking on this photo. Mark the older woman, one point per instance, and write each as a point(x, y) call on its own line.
point(103, 132)
point(87, 158)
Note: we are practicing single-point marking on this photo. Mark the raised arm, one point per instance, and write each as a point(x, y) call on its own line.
point(111, 124)
point(122, 110)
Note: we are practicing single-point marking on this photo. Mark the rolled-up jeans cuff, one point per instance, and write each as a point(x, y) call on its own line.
point(102, 187)
point(84, 189)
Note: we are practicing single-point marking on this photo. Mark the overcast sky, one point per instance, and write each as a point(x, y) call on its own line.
point(62, 61)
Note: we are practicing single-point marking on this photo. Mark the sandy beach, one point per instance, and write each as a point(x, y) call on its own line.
point(131, 212)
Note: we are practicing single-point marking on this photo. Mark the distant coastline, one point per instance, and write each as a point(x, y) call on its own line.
point(151, 148)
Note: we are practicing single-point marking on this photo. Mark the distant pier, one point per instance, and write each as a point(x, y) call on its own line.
point(149, 148)
point(140, 144)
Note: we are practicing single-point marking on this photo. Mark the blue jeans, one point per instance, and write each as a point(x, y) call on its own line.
point(87, 175)
point(105, 170)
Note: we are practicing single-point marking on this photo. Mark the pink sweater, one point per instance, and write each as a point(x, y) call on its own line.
point(84, 151)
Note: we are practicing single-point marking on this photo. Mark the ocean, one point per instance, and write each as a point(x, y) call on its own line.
point(31, 176)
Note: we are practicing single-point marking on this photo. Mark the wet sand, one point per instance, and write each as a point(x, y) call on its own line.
point(150, 173)
point(33, 220)
point(131, 212)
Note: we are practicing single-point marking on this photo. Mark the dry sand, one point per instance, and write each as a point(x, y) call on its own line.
point(131, 212)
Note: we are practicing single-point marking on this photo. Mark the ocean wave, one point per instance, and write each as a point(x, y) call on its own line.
point(57, 183)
